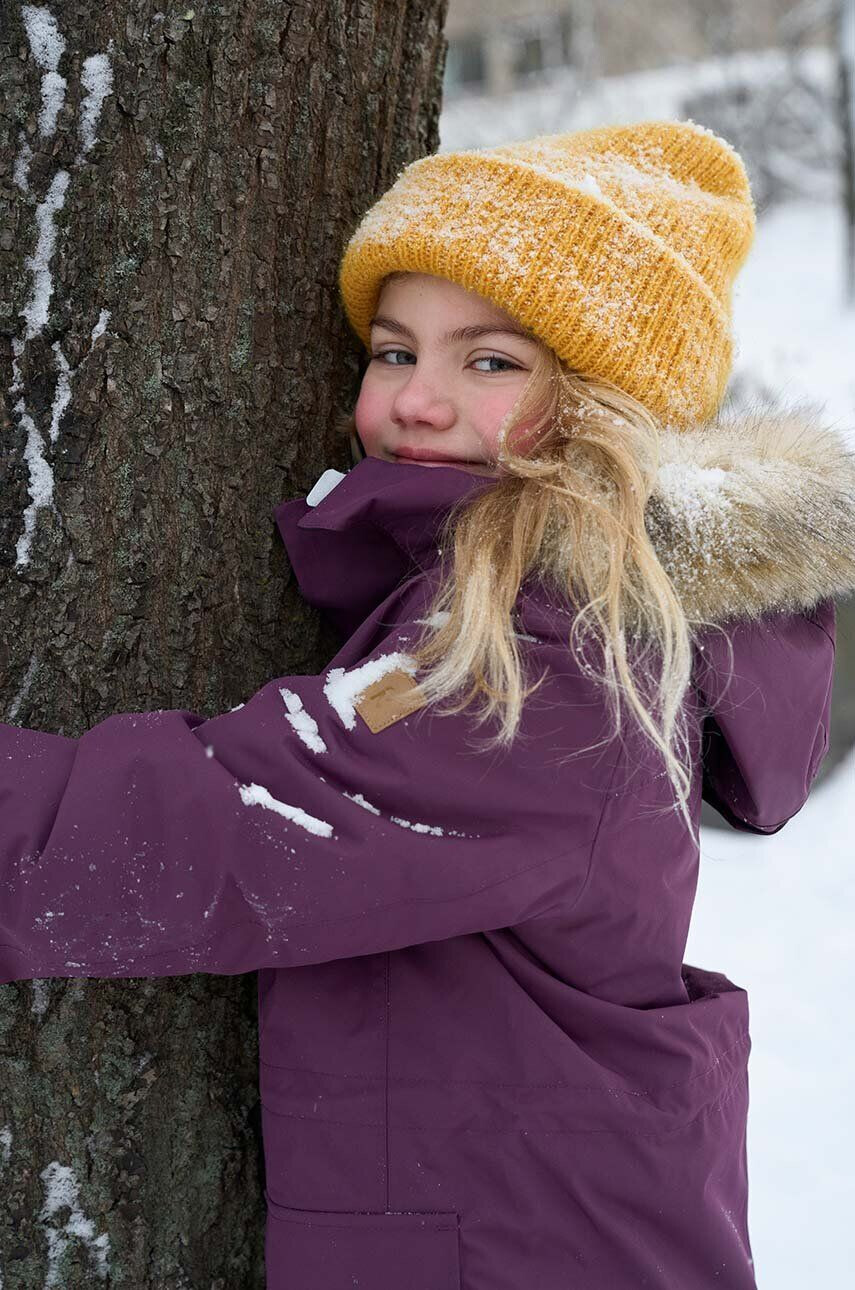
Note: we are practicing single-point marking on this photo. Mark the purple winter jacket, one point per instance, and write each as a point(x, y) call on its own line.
point(484, 1064)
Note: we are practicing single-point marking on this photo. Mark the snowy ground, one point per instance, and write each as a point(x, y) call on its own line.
point(775, 914)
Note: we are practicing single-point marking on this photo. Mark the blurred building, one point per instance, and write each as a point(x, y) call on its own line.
point(496, 46)
point(493, 48)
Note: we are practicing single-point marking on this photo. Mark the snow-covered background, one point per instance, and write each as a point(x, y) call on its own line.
point(775, 914)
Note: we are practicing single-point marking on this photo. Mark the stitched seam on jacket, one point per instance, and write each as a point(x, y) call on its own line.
point(477, 1083)
point(606, 799)
point(634, 783)
point(826, 634)
point(369, 1213)
point(325, 922)
point(731, 1089)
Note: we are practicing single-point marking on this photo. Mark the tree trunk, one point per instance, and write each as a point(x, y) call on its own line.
point(178, 188)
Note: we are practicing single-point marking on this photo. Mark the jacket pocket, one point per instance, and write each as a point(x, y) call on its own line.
point(309, 1249)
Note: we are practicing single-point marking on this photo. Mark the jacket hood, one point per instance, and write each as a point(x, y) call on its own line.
point(755, 514)
point(747, 516)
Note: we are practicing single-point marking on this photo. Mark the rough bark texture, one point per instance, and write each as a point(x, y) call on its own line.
point(183, 379)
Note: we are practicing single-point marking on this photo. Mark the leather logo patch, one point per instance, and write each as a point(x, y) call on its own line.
point(393, 696)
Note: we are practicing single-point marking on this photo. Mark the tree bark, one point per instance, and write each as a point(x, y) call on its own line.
point(177, 190)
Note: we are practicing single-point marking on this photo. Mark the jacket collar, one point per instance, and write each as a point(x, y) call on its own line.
point(371, 531)
point(749, 515)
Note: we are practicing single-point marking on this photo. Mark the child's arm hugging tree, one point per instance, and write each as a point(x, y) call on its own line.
point(161, 843)
point(286, 832)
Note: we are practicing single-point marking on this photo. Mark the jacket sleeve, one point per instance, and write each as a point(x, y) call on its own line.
point(281, 833)
point(766, 726)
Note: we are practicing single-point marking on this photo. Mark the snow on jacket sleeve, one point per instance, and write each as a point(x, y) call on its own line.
point(284, 832)
point(766, 728)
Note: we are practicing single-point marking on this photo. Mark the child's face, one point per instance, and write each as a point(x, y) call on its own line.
point(426, 393)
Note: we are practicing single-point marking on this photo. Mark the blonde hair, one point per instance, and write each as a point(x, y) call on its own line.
point(571, 513)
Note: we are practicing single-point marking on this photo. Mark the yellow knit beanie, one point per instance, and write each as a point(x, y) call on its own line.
point(617, 246)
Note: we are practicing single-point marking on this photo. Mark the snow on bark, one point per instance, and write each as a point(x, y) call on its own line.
point(23, 689)
point(21, 166)
point(47, 46)
point(62, 1193)
point(97, 80)
point(35, 310)
point(41, 482)
point(41, 995)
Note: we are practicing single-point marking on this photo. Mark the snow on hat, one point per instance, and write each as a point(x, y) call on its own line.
point(616, 246)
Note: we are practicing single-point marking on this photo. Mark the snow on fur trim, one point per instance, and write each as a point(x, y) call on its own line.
point(755, 514)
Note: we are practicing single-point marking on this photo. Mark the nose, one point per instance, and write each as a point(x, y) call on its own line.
point(419, 400)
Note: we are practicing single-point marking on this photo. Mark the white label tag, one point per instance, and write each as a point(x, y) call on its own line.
point(325, 484)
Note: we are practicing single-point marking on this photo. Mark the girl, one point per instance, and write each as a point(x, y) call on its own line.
point(493, 1070)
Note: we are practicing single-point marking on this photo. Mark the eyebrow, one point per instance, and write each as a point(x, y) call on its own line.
point(471, 332)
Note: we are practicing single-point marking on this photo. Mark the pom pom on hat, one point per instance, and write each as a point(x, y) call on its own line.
point(616, 246)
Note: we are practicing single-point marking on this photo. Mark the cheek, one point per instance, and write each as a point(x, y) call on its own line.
point(370, 413)
point(524, 438)
point(492, 410)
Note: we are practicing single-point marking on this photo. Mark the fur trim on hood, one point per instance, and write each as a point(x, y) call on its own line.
point(755, 514)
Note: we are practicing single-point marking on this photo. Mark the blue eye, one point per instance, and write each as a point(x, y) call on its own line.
point(386, 352)
point(507, 365)
point(494, 358)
